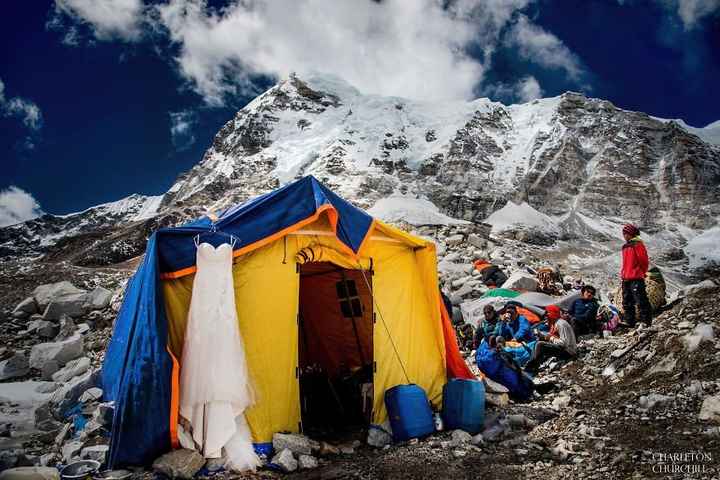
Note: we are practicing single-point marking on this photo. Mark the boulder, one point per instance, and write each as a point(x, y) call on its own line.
point(71, 450)
point(67, 328)
point(61, 352)
point(44, 294)
point(72, 369)
point(98, 299)
point(63, 435)
point(183, 464)
point(13, 367)
point(476, 241)
point(285, 461)
point(521, 281)
point(454, 240)
point(91, 395)
point(297, 444)
point(46, 330)
point(710, 409)
point(96, 452)
point(30, 473)
point(67, 396)
point(27, 306)
point(20, 315)
point(71, 305)
point(654, 400)
point(103, 414)
point(49, 369)
point(380, 435)
point(306, 462)
point(460, 437)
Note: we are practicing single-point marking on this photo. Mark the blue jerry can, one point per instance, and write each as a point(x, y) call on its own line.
point(409, 411)
point(464, 405)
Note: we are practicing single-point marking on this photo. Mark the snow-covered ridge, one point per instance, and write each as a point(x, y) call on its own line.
point(709, 133)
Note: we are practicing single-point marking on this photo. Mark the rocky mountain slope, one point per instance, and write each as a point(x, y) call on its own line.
point(581, 165)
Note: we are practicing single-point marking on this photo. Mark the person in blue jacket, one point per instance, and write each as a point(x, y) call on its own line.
point(514, 326)
point(584, 312)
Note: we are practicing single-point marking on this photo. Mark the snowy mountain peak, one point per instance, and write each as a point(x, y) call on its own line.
point(580, 162)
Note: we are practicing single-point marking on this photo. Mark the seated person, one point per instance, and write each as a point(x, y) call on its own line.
point(488, 325)
point(500, 367)
point(490, 274)
point(559, 343)
point(584, 312)
point(465, 336)
point(514, 326)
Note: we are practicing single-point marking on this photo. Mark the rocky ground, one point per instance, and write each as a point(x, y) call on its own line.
point(636, 405)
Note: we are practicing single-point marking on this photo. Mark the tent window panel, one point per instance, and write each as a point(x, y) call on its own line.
point(350, 304)
point(346, 289)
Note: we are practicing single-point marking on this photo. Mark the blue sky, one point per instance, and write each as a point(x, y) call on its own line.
point(102, 99)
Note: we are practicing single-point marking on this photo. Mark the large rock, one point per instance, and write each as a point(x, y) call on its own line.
point(183, 464)
point(30, 473)
point(98, 299)
point(72, 305)
point(72, 369)
point(285, 461)
point(61, 352)
point(71, 450)
point(27, 306)
point(306, 462)
point(44, 294)
point(45, 329)
point(13, 367)
point(69, 394)
point(96, 452)
point(521, 281)
point(297, 444)
point(710, 409)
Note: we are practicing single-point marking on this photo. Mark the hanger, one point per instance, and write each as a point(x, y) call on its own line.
point(215, 231)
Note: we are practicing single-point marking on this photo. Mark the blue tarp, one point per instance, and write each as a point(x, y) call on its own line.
point(137, 372)
point(490, 363)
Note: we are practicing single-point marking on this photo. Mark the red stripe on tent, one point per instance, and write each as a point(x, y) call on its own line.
point(456, 366)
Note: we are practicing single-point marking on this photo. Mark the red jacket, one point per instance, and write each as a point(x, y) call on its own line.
point(634, 260)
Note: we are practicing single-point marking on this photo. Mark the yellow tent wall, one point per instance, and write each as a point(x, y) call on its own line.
point(404, 286)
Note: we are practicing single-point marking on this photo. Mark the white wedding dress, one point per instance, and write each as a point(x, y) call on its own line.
point(215, 384)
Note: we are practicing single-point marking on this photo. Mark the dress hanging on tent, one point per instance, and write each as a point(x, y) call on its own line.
point(215, 385)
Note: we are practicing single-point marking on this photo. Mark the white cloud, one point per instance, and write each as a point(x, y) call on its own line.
point(181, 129)
point(543, 48)
point(413, 48)
point(108, 19)
point(17, 205)
point(524, 90)
point(24, 110)
point(529, 89)
point(691, 11)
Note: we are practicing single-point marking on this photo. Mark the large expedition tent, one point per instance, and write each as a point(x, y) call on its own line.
point(317, 281)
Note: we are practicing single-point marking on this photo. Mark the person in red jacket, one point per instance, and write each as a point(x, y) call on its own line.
point(634, 267)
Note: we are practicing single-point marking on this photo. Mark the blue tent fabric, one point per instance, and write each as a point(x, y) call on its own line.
point(261, 217)
point(137, 371)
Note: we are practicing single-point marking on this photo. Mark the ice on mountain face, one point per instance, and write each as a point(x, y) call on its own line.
point(415, 211)
point(705, 248)
point(514, 215)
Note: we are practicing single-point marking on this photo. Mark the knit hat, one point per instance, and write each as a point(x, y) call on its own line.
point(631, 229)
point(552, 312)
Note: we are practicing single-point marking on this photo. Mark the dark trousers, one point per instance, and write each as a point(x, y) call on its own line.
point(543, 351)
point(634, 294)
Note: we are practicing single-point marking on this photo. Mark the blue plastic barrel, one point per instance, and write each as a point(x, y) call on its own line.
point(409, 411)
point(464, 405)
